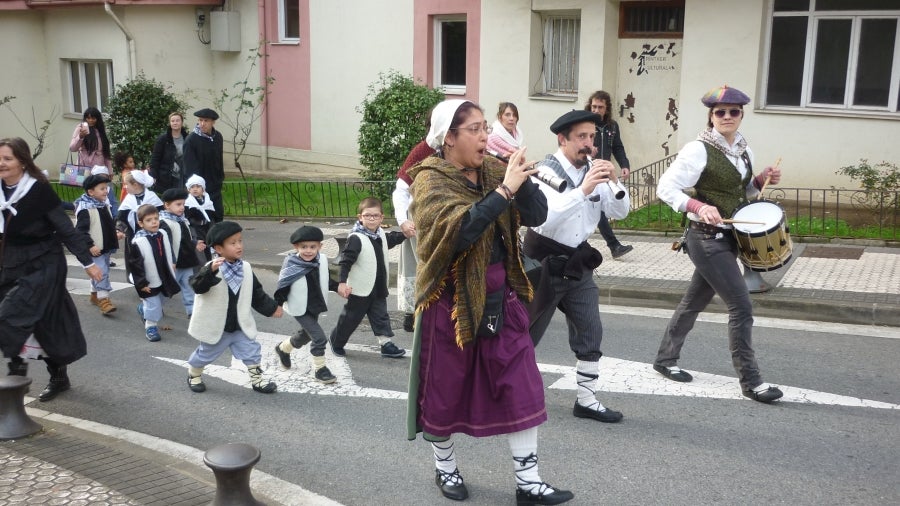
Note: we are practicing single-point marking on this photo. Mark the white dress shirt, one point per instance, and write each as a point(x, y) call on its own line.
point(571, 216)
point(686, 169)
point(402, 199)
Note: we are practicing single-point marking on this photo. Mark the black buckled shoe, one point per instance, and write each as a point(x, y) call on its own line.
point(673, 373)
point(524, 498)
point(605, 415)
point(54, 388)
point(765, 395)
point(451, 485)
point(195, 383)
point(285, 358)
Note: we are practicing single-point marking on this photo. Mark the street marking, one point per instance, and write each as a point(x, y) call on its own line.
point(299, 378)
point(626, 376)
point(83, 286)
point(760, 321)
point(620, 376)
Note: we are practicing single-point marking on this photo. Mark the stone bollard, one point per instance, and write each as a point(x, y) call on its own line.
point(231, 464)
point(14, 422)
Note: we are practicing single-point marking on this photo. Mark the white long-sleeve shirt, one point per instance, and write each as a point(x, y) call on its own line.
point(402, 199)
point(571, 216)
point(685, 171)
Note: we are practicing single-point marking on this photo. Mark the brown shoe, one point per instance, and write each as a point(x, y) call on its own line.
point(106, 306)
point(94, 300)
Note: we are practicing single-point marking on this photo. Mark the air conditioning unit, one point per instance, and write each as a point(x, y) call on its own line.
point(225, 31)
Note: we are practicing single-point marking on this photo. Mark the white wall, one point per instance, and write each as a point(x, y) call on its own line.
point(351, 41)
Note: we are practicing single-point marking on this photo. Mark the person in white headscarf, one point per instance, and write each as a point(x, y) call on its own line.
point(137, 184)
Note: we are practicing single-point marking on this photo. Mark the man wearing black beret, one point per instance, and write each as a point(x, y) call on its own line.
point(203, 156)
point(568, 261)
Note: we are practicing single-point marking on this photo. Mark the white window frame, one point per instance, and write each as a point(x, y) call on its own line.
point(77, 104)
point(283, 22)
point(438, 28)
point(847, 107)
point(553, 63)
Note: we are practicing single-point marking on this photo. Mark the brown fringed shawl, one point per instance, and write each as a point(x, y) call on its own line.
point(441, 199)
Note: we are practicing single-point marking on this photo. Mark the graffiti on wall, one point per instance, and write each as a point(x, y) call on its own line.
point(653, 57)
point(672, 118)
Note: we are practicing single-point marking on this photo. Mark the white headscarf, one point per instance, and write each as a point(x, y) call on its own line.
point(441, 117)
point(99, 169)
point(195, 179)
point(143, 177)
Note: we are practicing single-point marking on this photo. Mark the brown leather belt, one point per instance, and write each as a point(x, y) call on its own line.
point(706, 228)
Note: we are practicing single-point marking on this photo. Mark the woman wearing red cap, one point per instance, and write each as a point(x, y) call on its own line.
point(719, 166)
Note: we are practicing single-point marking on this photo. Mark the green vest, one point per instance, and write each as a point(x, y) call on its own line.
point(720, 183)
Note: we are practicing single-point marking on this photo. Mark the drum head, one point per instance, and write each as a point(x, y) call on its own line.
point(768, 213)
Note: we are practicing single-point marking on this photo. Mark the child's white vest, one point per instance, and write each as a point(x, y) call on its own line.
point(362, 273)
point(298, 296)
point(175, 227)
point(211, 309)
point(96, 229)
point(154, 278)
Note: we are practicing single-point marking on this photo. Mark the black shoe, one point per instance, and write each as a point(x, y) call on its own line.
point(325, 376)
point(619, 250)
point(390, 350)
point(680, 375)
point(268, 388)
point(445, 481)
point(765, 396)
point(196, 387)
point(605, 416)
point(285, 358)
point(555, 497)
point(409, 321)
point(54, 388)
point(340, 352)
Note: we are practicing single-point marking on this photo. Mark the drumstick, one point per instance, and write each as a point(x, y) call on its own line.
point(777, 163)
point(744, 222)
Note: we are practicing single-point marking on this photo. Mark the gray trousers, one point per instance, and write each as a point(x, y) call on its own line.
point(310, 323)
point(716, 272)
point(579, 300)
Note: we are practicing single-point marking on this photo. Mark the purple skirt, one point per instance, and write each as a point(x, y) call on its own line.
point(491, 386)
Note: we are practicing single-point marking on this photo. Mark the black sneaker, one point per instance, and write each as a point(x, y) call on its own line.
point(620, 249)
point(325, 376)
point(340, 352)
point(390, 350)
point(285, 358)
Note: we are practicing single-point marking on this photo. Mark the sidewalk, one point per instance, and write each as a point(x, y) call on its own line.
point(76, 462)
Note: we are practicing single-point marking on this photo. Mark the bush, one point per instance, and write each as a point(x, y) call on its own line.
point(882, 184)
point(137, 114)
point(394, 115)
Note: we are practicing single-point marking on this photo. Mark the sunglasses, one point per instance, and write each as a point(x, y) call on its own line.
point(734, 113)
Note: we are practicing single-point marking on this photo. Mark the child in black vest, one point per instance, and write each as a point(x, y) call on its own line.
point(364, 277)
point(94, 218)
point(226, 289)
point(303, 286)
point(184, 247)
point(150, 261)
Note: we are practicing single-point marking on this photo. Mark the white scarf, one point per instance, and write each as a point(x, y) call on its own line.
point(22, 188)
point(500, 131)
point(207, 205)
point(131, 205)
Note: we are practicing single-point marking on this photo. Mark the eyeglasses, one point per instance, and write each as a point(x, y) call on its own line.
point(734, 113)
point(371, 216)
point(476, 129)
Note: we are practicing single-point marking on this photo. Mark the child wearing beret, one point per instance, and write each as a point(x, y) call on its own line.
point(184, 247)
point(303, 286)
point(226, 289)
point(94, 217)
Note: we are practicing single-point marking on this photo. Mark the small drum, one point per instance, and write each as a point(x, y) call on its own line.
point(767, 246)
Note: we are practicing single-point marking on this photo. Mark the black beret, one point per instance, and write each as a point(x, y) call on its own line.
point(206, 113)
point(221, 231)
point(573, 117)
point(307, 233)
point(93, 180)
point(174, 194)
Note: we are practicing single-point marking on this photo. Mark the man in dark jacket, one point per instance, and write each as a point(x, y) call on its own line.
point(203, 156)
point(167, 159)
point(608, 143)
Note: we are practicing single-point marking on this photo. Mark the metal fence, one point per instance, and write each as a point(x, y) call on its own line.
point(827, 213)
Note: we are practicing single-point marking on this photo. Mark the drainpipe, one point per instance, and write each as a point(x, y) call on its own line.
point(264, 68)
point(132, 50)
